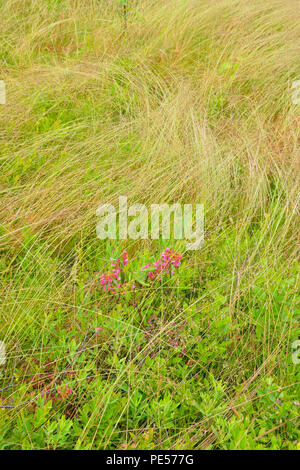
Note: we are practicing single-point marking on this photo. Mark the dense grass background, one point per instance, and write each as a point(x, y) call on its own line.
point(188, 101)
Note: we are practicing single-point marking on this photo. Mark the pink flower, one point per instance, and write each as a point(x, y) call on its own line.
point(124, 256)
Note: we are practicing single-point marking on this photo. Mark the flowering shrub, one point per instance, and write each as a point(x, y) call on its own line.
point(168, 261)
point(63, 392)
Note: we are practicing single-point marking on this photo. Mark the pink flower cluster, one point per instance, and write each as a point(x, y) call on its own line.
point(112, 281)
point(60, 393)
point(63, 392)
point(168, 261)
